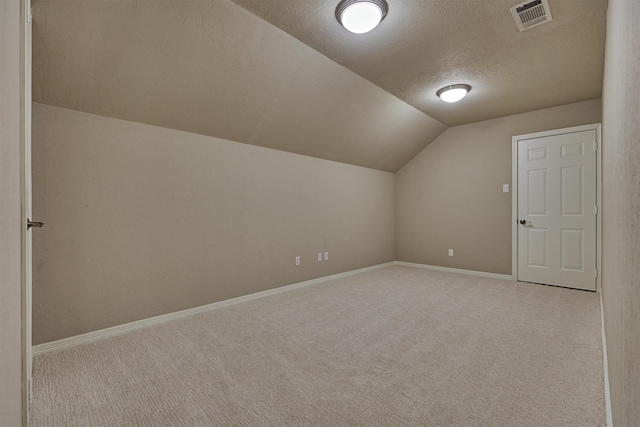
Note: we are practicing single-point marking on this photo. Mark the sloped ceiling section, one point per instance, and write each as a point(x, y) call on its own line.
point(213, 68)
point(423, 45)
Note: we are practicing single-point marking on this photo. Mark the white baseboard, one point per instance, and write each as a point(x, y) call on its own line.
point(607, 390)
point(121, 329)
point(456, 270)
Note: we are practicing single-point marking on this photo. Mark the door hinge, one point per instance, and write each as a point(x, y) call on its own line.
point(595, 273)
point(595, 210)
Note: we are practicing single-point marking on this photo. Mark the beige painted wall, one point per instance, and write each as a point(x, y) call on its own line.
point(142, 220)
point(10, 217)
point(450, 195)
point(621, 214)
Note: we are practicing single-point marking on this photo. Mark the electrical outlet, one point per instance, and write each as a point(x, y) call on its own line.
point(319, 256)
point(326, 256)
point(505, 188)
point(450, 252)
point(297, 260)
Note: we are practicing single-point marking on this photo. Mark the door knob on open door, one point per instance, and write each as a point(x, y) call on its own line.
point(523, 222)
point(33, 224)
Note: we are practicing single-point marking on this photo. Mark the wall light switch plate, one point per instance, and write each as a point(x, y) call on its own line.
point(319, 256)
point(297, 260)
point(505, 188)
point(450, 252)
point(326, 256)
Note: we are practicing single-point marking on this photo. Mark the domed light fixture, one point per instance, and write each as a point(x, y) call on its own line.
point(453, 93)
point(361, 16)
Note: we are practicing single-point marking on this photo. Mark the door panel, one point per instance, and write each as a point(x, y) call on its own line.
point(537, 154)
point(572, 250)
point(572, 191)
point(537, 198)
point(537, 248)
point(557, 201)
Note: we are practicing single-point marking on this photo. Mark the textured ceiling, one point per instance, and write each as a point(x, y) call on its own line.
point(225, 69)
point(213, 68)
point(423, 45)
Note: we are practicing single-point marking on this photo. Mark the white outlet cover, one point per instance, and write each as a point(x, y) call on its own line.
point(319, 256)
point(326, 256)
point(505, 188)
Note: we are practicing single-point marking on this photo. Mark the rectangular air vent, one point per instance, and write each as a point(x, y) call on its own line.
point(531, 13)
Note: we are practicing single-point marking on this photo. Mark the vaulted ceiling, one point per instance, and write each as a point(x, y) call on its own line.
point(284, 74)
point(423, 45)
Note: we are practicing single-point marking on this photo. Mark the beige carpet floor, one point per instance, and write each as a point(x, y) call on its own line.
point(398, 346)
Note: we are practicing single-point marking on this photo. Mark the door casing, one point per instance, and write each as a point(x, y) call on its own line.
point(27, 344)
point(514, 195)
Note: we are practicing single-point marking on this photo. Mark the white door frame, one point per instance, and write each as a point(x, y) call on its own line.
point(514, 193)
point(27, 344)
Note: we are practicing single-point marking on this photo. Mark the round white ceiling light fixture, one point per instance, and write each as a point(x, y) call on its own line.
point(453, 93)
point(361, 16)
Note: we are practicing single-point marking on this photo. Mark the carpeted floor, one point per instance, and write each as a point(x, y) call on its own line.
point(398, 346)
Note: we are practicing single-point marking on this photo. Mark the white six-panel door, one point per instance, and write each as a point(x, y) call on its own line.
point(557, 209)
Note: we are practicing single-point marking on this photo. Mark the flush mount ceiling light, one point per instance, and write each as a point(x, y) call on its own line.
point(361, 16)
point(453, 93)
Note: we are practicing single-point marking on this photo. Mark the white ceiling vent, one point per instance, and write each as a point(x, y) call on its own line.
point(531, 14)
